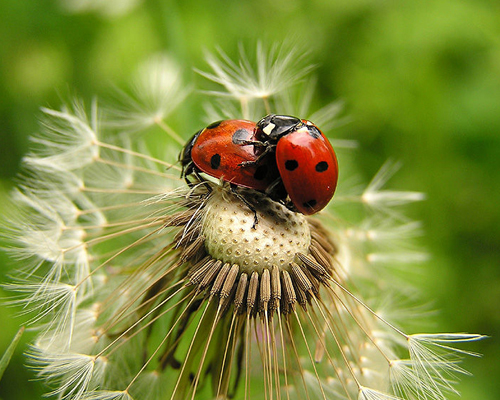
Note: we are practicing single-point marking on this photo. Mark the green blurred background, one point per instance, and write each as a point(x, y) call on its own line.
point(420, 80)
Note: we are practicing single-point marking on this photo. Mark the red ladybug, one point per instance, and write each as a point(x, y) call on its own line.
point(225, 150)
point(305, 158)
point(287, 158)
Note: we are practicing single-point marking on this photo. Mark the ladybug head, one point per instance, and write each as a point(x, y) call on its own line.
point(273, 127)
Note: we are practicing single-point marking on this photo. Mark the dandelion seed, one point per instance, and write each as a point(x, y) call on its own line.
point(156, 92)
point(273, 72)
point(74, 373)
point(58, 300)
point(68, 141)
point(107, 395)
point(386, 200)
point(370, 394)
point(145, 288)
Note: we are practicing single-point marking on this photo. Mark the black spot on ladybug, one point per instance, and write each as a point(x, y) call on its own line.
point(260, 172)
point(310, 203)
point(290, 165)
point(322, 166)
point(214, 125)
point(215, 161)
point(240, 136)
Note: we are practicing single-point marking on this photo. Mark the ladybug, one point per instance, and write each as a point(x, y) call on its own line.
point(305, 159)
point(287, 158)
point(226, 150)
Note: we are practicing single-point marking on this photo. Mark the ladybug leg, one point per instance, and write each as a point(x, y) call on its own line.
point(244, 142)
point(190, 184)
point(234, 190)
point(198, 179)
point(269, 148)
point(202, 180)
point(256, 143)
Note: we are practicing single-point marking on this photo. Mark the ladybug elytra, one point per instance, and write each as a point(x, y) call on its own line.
point(287, 158)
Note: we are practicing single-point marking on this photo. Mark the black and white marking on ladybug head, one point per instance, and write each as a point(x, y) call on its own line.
point(268, 129)
point(274, 126)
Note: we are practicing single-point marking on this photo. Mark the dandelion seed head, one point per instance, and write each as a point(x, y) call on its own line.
point(143, 287)
point(231, 237)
